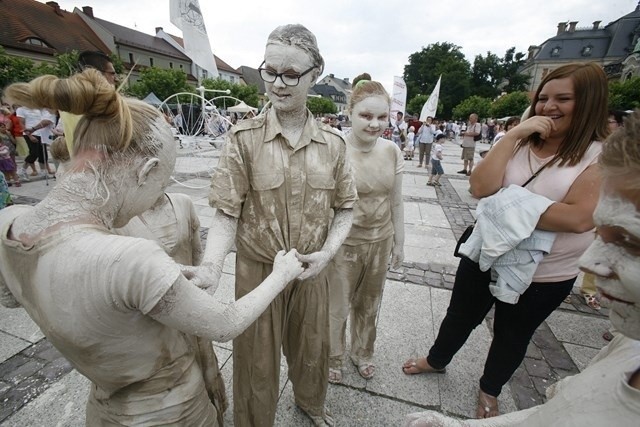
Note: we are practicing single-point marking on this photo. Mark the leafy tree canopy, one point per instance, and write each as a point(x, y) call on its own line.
point(424, 67)
point(473, 104)
point(163, 83)
point(414, 107)
point(624, 95)
point(321, 105)
point(511, 104)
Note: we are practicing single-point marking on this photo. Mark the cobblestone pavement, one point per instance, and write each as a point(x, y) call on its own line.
point(26, 374)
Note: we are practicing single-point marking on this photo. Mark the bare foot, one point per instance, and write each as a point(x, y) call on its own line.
point(366, 370)
point(420, 366)
point(487, 406)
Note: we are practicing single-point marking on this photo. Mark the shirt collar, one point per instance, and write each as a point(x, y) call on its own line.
point(311, 131)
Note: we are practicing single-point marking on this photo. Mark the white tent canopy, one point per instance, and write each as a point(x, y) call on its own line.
point(152, 99)
point(241, 108)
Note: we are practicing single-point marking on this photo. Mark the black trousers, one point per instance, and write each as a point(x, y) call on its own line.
point(513, 325)
point(37, 151)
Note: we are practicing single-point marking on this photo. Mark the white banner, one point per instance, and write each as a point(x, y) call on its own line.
point(187, 16)
point(399, 97)
point(431, 106)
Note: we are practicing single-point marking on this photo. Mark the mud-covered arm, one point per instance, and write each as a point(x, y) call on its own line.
point(397, 218)
point(195, 312)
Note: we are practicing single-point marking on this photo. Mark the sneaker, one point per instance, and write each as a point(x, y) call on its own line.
point(431, 184)
point(464, 171)
point(419, 166)
point(22, 173)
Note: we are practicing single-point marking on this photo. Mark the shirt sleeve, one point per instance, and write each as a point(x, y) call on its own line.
point(346, 193)
point(230, 181)
point(142, 273)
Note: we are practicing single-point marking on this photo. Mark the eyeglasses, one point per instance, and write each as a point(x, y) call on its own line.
point(288, 78)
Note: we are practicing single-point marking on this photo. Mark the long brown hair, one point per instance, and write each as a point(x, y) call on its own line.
point(590, 112)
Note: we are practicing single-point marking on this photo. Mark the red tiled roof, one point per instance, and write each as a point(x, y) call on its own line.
point(62, 31)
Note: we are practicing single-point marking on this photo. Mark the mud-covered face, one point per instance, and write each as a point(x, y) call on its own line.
point(614, 257)
point(291, 61)
point(369, 118)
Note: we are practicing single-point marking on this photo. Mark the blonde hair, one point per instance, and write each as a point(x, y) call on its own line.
point(59, 150)
point(621, 153)
point(111, 123)
point(364, 87)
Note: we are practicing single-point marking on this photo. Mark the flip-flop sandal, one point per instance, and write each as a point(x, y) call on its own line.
point(367, 370)
point(486, 407)
point(592, 301)
point(335, 375)
point(411, 368)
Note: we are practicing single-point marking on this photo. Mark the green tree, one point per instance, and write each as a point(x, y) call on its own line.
point(321, 105)
point(424, 67)
point(246, 93)
point(14, 69)
point(473, 104)
point(511, 63)
point(486, 75)
point(624, 95)
point(415, 105)
point(163, 83)
point(511, 104)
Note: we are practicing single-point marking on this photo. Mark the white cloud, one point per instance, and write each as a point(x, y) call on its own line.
point(376, 37)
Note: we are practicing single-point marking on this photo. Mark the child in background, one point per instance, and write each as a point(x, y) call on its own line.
point(436, 162)
point(409, 144)
point(7, 156)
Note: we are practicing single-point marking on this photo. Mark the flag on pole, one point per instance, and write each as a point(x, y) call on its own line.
point(399, 97)
point(430, 107)
point(187, 16)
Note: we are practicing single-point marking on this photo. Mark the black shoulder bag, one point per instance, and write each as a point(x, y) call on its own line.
point(466, 233)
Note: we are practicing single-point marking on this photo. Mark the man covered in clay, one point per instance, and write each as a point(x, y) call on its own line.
point(117, 307)
point(607, 392)
point(283, 181)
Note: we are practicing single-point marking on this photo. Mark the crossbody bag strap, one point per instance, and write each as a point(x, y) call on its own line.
point(536, 173)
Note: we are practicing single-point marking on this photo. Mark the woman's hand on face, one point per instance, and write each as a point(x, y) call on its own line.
point(536, 124)
point(288, 265)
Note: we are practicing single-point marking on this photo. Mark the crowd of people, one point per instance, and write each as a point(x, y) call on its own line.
point(111, 267)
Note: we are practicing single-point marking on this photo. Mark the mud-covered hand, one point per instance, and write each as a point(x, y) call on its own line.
point(314, 263)
point(287, 265)
point(205, 276)
point(397, 256)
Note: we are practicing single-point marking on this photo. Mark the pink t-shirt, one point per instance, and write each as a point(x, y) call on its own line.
point(554, 183)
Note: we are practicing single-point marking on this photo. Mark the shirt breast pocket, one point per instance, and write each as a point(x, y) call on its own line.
point(266, 186)
point(319, 197)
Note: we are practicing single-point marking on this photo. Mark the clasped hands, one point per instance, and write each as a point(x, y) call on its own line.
point(291, 265)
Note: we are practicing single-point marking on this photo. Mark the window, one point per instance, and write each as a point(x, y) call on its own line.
point(555, 51)
point(131, 61)
point(151, 62)
point(170, 64)
point(586, 51)
point(35, 42)
point(181, 66)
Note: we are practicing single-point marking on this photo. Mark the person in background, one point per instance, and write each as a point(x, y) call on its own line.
point(408, 146)
point(399, 127)
point(470, 136)
point(425, 140)
point(436, 162)
point(358, 271)
point(568, 121)
point(509, 124)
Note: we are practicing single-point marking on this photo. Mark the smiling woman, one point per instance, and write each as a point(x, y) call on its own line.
point(563, 139)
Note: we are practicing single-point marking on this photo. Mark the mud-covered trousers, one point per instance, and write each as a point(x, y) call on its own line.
point(356, 280)
point(296, 321)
